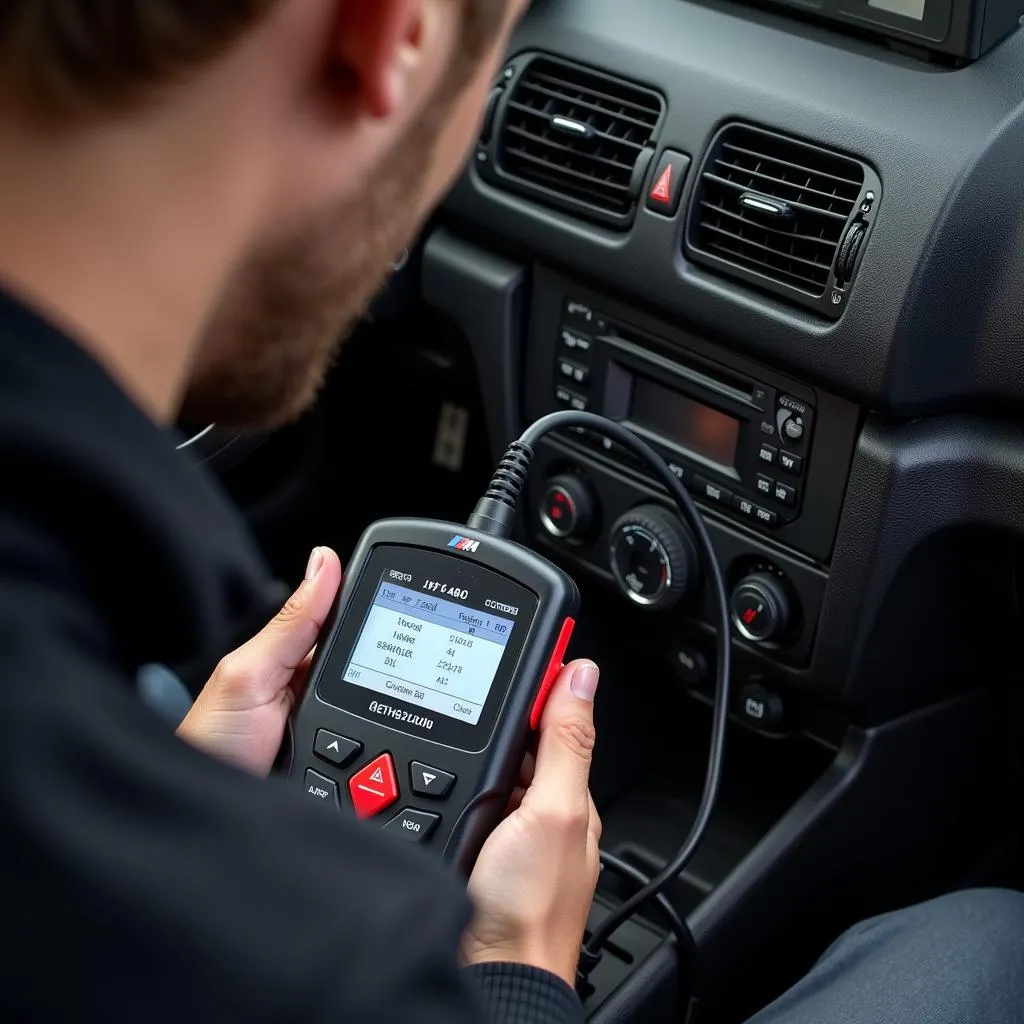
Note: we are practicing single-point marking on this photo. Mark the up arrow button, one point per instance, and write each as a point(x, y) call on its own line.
point(335, 749)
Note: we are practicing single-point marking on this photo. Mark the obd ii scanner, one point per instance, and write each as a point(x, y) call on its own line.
point(431, 675)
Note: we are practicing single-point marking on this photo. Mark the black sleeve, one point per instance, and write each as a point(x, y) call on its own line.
point(144, 881)
point(516, 994)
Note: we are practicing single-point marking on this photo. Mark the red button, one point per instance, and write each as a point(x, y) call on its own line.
point(554, 667)
point(374, 787)
point(662, 191)
point(667, 185)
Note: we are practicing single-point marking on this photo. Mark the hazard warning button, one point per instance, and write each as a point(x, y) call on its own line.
point(374, 787)
point(667, 184)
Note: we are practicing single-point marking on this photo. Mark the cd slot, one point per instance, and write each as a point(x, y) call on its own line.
point(683, 366)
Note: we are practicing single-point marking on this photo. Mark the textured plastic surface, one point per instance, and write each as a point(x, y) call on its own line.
point(908, 799)
point(484, 295)
point(922, 583)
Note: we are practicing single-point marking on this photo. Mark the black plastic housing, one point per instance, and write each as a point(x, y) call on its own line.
point(485, 762)
point(960, 29)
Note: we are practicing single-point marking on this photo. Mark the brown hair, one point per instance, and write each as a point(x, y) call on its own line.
point(63, 59)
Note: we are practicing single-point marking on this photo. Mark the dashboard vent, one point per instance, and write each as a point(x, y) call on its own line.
point(782, 214)
point(577, 139)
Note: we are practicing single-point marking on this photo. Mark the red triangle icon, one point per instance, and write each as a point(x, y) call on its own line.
point(662, 191)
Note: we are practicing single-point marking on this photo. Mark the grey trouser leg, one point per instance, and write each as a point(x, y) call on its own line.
point(956, 960)
point(164, 692)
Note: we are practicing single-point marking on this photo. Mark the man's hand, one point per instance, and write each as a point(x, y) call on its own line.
point(534, 880)
point(241, 714)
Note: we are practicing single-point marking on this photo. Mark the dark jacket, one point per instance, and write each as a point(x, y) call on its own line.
point(141, 879)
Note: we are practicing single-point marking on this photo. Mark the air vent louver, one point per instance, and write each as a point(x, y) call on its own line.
point(774, 211)
point(578, 139)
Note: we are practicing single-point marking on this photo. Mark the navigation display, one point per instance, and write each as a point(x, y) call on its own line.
point(693, 425)
point(425, 650)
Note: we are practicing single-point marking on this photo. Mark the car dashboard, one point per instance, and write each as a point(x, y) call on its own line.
point(791, 259)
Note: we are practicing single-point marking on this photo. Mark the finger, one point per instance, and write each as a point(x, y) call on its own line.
point(567, 736)
point(266, 665)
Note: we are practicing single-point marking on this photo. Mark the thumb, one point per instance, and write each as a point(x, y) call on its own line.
point(269, 660)
point(567, 736)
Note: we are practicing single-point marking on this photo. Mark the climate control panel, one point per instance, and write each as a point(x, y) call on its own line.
point(602, 521)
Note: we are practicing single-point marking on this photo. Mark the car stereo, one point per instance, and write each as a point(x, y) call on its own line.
point(737, 442)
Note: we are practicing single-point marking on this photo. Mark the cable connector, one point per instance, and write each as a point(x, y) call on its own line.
point(495, 512)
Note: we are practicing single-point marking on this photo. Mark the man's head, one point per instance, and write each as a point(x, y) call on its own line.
point(342, 121)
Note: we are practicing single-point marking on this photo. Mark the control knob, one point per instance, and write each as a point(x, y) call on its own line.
point(793, 428)
point(653, 557)
point(568, 508)
point(761, 608)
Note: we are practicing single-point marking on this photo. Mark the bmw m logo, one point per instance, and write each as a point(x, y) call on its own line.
point(464, 544)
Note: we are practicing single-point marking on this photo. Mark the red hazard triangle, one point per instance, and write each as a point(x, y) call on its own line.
point(662, 191)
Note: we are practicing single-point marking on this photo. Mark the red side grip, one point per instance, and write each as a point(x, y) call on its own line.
point(551, 674)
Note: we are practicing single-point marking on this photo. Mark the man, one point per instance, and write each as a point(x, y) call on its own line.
point(198, 198)
point(204, 196)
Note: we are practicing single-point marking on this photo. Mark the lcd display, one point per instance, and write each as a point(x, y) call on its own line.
point(429, 651)
point(908, 8)
point(689, 424)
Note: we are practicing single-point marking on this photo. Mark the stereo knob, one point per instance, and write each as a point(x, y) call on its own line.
point(761, 608)
point(568, 508)
point(653, 557)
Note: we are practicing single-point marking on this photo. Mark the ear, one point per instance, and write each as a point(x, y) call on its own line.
point(377, 43)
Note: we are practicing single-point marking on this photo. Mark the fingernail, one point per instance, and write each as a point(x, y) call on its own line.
point(584, 681)
point(316, 562)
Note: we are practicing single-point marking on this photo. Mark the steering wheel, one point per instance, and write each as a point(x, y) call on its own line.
point(223, 449)
point(218, 447)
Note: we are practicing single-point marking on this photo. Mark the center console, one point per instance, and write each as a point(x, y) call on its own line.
point(857, 628)
point(765, 456)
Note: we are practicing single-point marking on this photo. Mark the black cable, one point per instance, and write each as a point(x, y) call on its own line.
point(678, 927)
point(686, 945)
point(495, 514)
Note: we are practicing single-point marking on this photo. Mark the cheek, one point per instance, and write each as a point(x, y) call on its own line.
point(455, 144)
point(462, 125)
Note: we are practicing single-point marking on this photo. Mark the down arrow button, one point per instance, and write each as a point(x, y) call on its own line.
point(430, 782)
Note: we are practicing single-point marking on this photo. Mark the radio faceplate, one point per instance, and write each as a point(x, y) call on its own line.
point(738, 443)
point(766, 450)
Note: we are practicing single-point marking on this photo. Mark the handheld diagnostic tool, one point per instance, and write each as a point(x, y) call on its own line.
point(428, 680)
